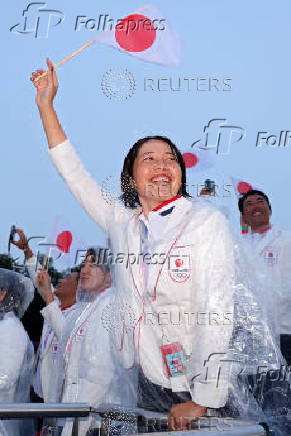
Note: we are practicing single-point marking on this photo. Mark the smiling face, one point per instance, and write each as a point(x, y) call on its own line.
point(93, 278)
point(156, 172)
point(256, 211)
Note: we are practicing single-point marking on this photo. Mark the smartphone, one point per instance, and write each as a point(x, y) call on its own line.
point(12, 233)
point(11, 236)
point(210, 185)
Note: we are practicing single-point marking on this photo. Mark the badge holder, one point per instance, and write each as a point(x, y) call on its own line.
point(174, 360)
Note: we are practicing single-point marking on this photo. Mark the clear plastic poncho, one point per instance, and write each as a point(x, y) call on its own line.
point(193, 326)
point(212, 341)
point(259, 379)
point(16, 350)
point(85, 367)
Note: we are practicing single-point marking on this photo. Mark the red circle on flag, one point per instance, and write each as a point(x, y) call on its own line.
point(135, 33)
point(64, 241)
point(190, 159)
point(244, 187)
point(178, 263)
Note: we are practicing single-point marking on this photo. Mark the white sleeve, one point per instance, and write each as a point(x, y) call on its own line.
point(54, 317)
point(33, 268)
point(12, 348)
point(81, 183)
point(215, 288)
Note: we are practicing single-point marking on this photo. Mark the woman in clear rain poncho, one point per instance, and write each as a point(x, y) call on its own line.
point(180, 288)
point(84, 368)
point(16, 350)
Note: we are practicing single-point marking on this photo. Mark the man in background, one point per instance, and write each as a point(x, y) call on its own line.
point(272, 245)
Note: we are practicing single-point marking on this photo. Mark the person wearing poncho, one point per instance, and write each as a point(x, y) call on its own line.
point(16, 350)
point(181, 260)
point(271, 246)
point(84, 368)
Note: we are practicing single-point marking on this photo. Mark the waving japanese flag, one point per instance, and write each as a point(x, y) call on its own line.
point(64, 245)
point(147, 35)
point(242, 186)
point(197, 159)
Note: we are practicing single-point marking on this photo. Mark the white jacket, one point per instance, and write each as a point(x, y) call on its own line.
point(16, 359)
point(46, 367)
point(195, 232)
point(88, 365)
point(274, 251)
point(46, 363)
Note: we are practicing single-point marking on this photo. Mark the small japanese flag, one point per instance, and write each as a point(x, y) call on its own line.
point(145, 34)
point(241, 186)
point(197, 159)
point(64, 246)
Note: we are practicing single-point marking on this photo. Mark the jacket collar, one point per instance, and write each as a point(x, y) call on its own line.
point(182, 205)
point(164, 205)
point(158, 218)
point(264, 230)
point(175, 218)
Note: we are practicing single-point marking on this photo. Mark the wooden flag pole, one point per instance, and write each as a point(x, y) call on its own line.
point(66, 59)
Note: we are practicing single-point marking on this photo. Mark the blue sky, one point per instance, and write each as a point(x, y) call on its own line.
point(246, 41)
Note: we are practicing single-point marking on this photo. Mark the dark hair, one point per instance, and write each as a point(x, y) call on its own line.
point(94, 253)
point(129, 194)
point(55, 278)
point(248, 194)
point(76, 269)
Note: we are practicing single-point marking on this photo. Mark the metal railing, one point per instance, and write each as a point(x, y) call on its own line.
point(143, 418)
point(211, 425)
point(46, 410)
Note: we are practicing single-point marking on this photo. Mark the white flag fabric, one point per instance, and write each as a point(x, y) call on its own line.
point(64, 245)
point(242, 186)
point(146, 35)
point(197, 159)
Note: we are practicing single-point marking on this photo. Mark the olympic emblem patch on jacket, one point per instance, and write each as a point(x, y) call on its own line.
point(271, 257)
point(179, 265)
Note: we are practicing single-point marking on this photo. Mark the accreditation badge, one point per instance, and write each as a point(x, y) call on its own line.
point(179, 265)
point(271, 257)
point(174, 359)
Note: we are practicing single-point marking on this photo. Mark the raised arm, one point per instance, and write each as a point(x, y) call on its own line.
point(31, 263)
point(81, 184)
point(46, 91)
point(52, 312)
